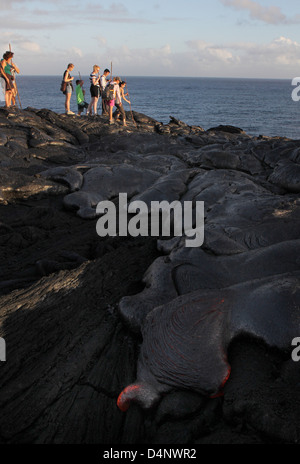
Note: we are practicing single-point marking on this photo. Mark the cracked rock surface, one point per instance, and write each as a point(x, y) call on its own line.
point(85, 317)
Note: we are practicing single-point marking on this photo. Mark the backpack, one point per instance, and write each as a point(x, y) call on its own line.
point(109, 92)
point(63, 86)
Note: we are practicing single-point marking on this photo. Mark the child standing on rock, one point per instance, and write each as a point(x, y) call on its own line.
point(80, 93)
point(115, 97)
point(120, 109)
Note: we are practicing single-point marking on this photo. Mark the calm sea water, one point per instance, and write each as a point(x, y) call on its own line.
point(259, 106)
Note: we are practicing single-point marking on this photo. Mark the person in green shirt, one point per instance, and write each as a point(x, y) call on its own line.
point(6, 80)
point(82, 104)
point(10, 70)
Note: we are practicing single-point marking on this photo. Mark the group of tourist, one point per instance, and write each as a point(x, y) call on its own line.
point(111, 91)
point(7, 78)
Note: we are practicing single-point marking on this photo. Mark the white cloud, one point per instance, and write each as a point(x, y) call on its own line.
point(280, 57)
point(145, 60)
point(280, 51)
point(101, 40)
point(270, 14)
point(285, 51)
point(76, 51)
point(207, 52)
point(18, 43)
point(28, 46)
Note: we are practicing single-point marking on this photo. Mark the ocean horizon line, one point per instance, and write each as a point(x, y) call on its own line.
point(175, 77)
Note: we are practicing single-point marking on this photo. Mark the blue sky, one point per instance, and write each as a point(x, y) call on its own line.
point(215, 38)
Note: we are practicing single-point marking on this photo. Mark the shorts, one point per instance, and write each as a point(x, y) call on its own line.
point(69, 88)
point(111, 102)
point(82, 106)
point(120, 109)
point(8, 85)
point(95, 91)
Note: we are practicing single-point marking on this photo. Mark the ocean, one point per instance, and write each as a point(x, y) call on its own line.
point(259, 106)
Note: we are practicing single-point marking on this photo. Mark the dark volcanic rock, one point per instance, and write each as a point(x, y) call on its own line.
point(287, 175)
point(91, 323)
point(230, 129)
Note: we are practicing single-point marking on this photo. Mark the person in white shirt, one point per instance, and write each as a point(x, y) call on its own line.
point(117, 96)
point(94, 89)
point(118, 103)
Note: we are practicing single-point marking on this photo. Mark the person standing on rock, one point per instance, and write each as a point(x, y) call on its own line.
point(94, 89)
point(120, 109)
point(69, 88)
point(10, 69)
point(8, 83)
point(80, 93)
point(103, 83)
point(116, 96)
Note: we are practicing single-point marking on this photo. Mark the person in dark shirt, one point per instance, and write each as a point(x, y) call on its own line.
point(94, 89)
point(69, 88)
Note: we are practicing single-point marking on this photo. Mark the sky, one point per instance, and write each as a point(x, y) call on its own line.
point(195, 38)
